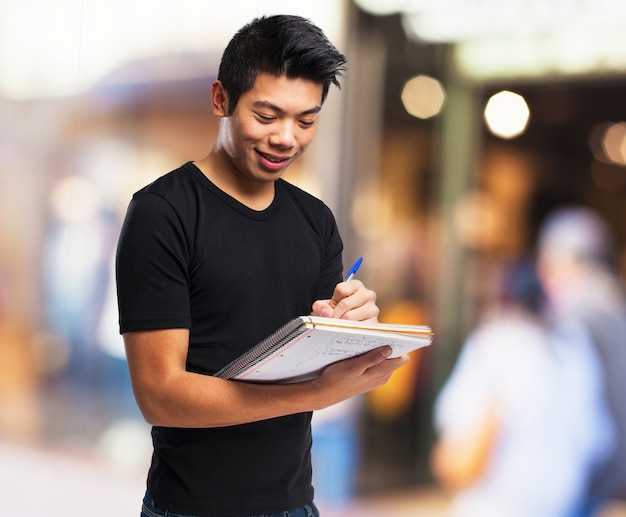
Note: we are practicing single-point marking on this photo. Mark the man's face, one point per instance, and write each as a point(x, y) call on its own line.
point(271, 126)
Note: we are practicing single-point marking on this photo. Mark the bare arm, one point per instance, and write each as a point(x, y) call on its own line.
point(459, 461)
point(168, 395)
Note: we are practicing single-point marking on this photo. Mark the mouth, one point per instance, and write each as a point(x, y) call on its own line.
point(272, 161)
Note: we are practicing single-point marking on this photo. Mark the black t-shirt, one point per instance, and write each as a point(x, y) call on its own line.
point(191, 256)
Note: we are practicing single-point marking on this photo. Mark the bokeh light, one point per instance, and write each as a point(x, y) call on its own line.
point(382, 7)
point(614, 143)
point(507, 114)
point(607, 142)
point(423, 96)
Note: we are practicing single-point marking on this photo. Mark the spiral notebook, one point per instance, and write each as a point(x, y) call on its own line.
point(303, 347)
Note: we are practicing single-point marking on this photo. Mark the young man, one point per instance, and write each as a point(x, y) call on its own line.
point(216, 255)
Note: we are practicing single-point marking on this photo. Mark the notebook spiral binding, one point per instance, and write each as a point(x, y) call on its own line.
point(283, 335)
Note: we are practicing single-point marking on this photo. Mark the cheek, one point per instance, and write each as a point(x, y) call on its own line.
point(306, 137)
point(252, 132)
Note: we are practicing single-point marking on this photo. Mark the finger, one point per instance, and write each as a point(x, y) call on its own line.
point(381, 372)
point(372, 358)
point(350, 296)
point(322, 308)
point(348, 288)
point(340, 292)
point(367, 312)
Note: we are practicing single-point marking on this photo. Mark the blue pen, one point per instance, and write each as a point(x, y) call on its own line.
point(355, 267)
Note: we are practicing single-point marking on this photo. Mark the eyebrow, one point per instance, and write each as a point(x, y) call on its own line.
point(280, 111)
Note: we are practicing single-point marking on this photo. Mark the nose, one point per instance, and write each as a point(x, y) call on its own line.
point(283, 134)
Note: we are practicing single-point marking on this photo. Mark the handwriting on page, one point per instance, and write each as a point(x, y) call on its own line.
point(305, 358)
point(339, 347)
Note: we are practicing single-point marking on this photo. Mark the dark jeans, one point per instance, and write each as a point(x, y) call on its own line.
point(151, 509)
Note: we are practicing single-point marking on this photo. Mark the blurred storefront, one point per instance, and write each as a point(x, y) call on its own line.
point(452, 203)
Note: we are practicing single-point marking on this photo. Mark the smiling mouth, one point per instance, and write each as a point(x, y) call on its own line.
point(274, 159)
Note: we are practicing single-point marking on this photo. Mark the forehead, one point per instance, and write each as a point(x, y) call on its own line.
point(289, 94)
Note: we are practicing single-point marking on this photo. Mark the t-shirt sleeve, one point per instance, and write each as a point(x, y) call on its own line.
point(152, 267)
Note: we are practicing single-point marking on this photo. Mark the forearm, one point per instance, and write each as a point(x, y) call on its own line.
point(170, 396)
point(195, 400)
point(186, 399)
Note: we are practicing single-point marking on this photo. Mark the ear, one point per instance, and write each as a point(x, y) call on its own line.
point(219, 99)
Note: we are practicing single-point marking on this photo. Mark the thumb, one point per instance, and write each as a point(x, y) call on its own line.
point(322, 308)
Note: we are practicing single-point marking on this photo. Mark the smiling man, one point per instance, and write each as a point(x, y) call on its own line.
point(212, 258)
point(266, 131)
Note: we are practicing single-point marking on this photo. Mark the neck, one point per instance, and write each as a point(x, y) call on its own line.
point(223, 174)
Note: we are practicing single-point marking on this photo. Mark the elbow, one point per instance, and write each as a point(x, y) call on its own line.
point(154, 410)
point(160, 401)
point(153, 416)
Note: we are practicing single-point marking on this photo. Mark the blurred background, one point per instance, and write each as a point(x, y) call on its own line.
point(459, 127)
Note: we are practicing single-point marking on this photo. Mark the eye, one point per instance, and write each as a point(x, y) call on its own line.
point(307, 123)
point(265, 118)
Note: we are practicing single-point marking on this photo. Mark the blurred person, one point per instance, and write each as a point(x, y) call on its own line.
point(522, 419)
point(576, 265)
point(216, 255)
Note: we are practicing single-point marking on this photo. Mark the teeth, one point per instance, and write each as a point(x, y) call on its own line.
point(272, 159)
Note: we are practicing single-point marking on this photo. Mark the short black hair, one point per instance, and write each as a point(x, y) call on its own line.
point(279, 45)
